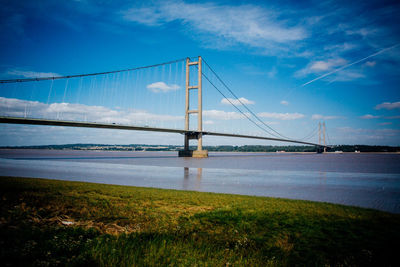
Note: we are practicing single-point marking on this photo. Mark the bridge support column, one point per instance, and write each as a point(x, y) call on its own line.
point(199, 153)
point(321, 149)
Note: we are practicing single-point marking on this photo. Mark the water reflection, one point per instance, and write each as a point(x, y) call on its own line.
point(188, 175)
point(322, 178)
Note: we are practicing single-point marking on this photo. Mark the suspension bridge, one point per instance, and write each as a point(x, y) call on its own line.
point(140, 99)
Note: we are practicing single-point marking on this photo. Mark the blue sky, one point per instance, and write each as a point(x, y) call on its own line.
point(280, 57)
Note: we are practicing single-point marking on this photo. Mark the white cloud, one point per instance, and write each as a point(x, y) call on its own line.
point(237, 102)
point(284, 102)
point(145, 15)
point(281, 116)
point(246, 24)
point(370, 63)
point(158, 87)
point(320, 66)
point(222, 115)
point(346, 75)
point(208, 122)
point(369, 116)
point(322, 117)
point(31, 74)
point(327, 65)
point(388, 105)
point(363, 32)
point(340, 47)
point(78, 112)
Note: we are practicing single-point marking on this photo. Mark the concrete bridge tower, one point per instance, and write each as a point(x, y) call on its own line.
point(199, 153)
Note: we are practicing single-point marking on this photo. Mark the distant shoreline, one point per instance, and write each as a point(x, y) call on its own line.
point(224, 148)
point(238, 152)
point(253, 152)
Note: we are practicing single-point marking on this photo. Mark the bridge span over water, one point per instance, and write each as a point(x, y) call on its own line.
point(188, 133)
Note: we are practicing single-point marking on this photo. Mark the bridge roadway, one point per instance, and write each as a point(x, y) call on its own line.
point(31, 121)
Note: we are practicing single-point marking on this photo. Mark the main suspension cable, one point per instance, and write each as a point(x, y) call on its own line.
point(310, 135)
point(216, 75)
point(244, 114)
point(329, 140)
point(89, 74)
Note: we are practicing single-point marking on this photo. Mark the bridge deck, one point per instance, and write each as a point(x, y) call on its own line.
point(31, 121)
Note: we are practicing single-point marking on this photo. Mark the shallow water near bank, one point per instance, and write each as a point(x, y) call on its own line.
point(365, 180)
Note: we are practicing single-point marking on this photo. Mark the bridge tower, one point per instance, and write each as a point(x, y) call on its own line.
point(324, 131)
point(199, 153)
point(319, 149)
point(319, 133)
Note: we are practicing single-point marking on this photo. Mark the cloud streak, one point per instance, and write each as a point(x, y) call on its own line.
point(322, 117)
point(351, 64)
point(388, 105)
point(369, 116)
point(237, 102)
point(223, 115)
point(281, 116)
point(250, 25)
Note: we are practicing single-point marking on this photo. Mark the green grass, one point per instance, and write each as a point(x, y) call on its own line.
point(51, 223)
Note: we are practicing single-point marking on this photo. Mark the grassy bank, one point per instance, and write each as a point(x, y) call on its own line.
point(49, 222)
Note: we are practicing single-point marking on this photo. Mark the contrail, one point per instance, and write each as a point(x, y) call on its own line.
point(350, 64)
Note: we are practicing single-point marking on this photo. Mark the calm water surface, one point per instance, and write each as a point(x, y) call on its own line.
point(365, 180)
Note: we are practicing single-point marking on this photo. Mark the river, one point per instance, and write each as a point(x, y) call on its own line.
point(365, 179)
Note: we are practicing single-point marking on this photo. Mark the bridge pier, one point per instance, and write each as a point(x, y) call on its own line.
point(193, 153)
point(199, 153)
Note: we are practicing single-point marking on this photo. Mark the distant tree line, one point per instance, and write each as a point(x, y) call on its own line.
point(259, 148)
point(365, 148)
point(344, 148)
